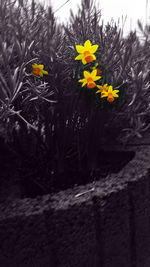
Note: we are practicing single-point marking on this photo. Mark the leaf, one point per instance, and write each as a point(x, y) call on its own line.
point(31, 46)
point(3, 94)
point(16, 91)
point(18, 46)
point(133, 99)
point(15, 75)
point(138, 134)
point(5, 86)
point(20, 77)
point(34, 98)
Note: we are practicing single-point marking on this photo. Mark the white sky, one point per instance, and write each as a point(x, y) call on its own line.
point(134, 9)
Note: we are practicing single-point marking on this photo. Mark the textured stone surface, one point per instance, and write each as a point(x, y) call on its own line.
point(105, 224)
point(23, 238)
point(139, 197)
point(112, 224)
point(72, 233)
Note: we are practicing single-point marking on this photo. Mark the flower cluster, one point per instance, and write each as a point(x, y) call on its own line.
point(86, 54)
point(107, 91)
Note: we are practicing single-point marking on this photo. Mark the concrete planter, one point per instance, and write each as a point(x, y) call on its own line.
point(105, 224)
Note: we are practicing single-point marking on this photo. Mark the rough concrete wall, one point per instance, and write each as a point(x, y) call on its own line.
point(23, 240)
point(139, 201)
point(72, 234)
point(112, 224)
point(105, 227)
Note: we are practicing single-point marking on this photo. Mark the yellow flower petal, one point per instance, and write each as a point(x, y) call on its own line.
point(45, 72)
point(94, 57)
point(84, 61)
point(93, 73)
point(84, 84)
point(115, 91)
point(96, 78)
point(104, 94)
point(82, 81)
point(87, 44)
point(34, 66)
point(98, 91)
point(79, 57)
point(110, 89)
point(99, 86)
point(93, 48)
point(41, 67)
point(87, 74)
point(41, 73)
point(80, 48)
point(115, 95)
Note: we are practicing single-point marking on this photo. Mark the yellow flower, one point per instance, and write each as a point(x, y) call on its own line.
point(38, 70)
point(86, 52)
point(110, 94)
point(102, 89)
point(89, 79)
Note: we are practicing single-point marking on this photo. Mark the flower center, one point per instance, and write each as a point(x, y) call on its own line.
point(89, 80)
point(88, 57)
point(91, 83)
point(86, 53)
point(103, 91)
point(110, 97)
point(36, 71)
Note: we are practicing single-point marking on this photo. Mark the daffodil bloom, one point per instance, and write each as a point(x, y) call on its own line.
point(110, 94)
point(102, 89)
point(89, 79)
point(99, 72)
point(86, 52)
point(38, 70)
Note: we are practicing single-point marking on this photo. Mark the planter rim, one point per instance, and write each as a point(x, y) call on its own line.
point(83, 194)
